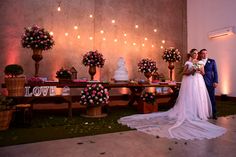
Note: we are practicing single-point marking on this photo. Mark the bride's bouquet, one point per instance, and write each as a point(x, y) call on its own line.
point(196, 66)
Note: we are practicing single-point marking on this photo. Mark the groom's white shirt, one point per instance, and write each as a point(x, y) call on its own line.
point(205, 61)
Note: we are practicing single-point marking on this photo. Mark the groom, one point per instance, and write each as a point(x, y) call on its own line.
point(210, 78)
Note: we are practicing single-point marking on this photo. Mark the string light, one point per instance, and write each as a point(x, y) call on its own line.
point(113, 21)
point(59, 6)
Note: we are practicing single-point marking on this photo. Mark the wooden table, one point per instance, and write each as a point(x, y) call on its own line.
point(136, 90)
point(44, 99)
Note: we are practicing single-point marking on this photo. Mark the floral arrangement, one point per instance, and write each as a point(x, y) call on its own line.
point(197, 66)
point(63, 74)
point(147, 65)
point(37, 38)
point(148, 97)
point(34, 80)
point(94, 95)
point(93, 58)
point(171, 55)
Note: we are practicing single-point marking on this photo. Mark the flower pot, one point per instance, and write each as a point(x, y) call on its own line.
point(5, 119)
point(171, 66)
point(15, 86)
point(37, 57)
point(148, 75)
point(92, 71)
point(94, 112)
point(147, 108)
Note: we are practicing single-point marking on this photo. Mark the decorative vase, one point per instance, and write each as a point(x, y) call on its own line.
point(92, 71)
point(148, 75)
point(171, 66)
point(37, 57)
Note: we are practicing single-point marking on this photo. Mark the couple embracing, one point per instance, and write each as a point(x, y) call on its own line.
point(188, 119)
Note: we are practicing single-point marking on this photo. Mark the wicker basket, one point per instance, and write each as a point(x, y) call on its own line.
point(15, 86)
point(5, 119)
point(94, 111)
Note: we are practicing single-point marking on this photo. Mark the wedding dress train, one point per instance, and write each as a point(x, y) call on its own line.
point(186, 120)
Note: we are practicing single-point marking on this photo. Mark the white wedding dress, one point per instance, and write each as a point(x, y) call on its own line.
point(186, 120)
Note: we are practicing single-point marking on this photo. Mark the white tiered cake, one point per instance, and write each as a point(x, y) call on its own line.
point(121, 74)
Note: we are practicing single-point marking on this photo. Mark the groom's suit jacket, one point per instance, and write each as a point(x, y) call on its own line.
point(211, 75)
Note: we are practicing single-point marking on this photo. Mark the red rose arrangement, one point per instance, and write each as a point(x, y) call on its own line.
point(171, 55)
point(93, 58)
point(147, 65)
point(37, 38)
point(94, 95)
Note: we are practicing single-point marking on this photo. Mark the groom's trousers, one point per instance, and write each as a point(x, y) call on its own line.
point(211, 91)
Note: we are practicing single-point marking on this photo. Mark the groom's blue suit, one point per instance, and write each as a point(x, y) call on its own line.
point(210, 77)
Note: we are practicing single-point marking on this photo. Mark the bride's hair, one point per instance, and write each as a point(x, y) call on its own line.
point(191, 52)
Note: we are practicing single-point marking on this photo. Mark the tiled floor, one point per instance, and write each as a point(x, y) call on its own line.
point(131, 144)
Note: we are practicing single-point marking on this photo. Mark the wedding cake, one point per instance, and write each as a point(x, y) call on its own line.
point(121, 74)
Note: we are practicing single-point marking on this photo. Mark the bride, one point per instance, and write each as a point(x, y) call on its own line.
point(188, 118)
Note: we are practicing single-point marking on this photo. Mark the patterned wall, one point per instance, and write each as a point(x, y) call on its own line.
point(167, 17)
